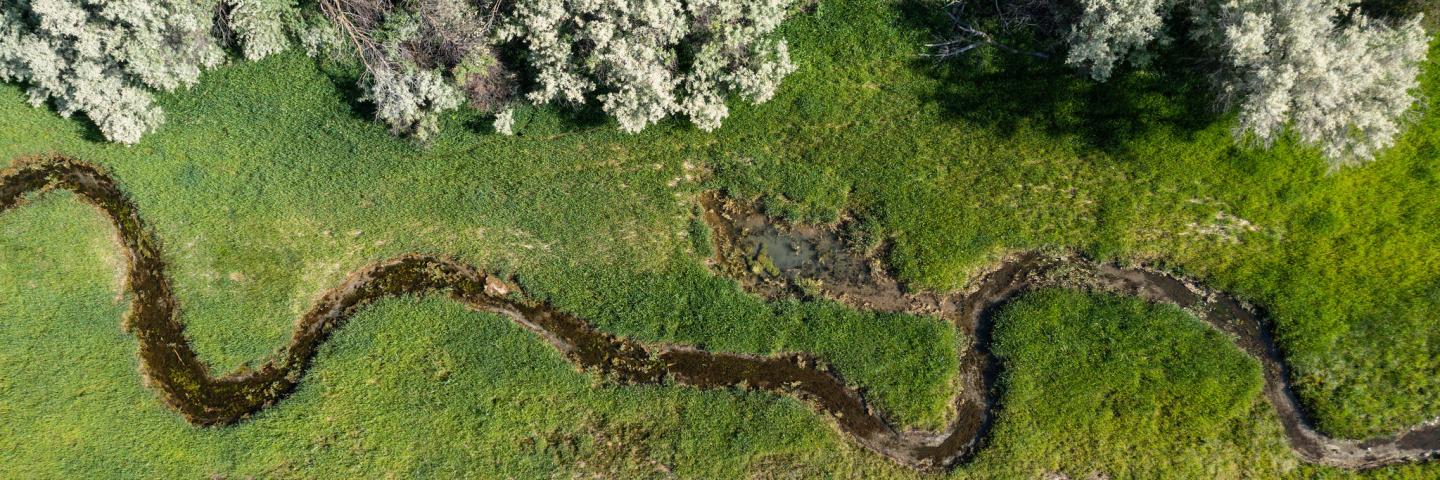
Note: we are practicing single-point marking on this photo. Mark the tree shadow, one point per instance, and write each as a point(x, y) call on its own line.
point(1006, 91)
point(85, 127)
point(1397, 11)
point(546, 120)
point(345, 77)
point(89, 131)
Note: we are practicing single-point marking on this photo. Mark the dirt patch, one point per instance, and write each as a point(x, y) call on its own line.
point(765, 256)
point(600, 449)
point(778, 260)
point(783, 466)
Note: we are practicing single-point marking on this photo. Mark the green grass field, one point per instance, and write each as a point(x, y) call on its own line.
point(268, 184)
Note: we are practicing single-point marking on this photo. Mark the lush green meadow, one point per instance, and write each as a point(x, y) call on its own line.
point(269, 183)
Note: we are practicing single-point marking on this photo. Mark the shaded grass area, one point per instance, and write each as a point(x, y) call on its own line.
point(267, 186)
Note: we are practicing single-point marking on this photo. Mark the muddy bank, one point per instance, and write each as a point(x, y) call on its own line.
point(778, 260)
point(169, 365)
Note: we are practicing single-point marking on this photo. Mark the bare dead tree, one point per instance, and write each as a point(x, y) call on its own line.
point(358, 20)
point(220, 27)
point(449, 33)
point(1005, 16)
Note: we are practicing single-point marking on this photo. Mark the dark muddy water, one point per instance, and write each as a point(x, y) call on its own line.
point(790, 260)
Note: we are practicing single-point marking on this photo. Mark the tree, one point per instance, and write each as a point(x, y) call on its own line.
point(1323, 70)
point(423, 58)
point(627, 55)
point(101, 58)
point(1109, 31)
point(1344, 88)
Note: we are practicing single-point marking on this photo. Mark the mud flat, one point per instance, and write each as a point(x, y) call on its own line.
point(766, 257)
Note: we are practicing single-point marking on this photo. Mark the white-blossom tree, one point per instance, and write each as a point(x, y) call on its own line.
point(260, 25)
point(625, 53)
point(102, 58)
point(1286, 64)
point(1109, 31)
point(422, 58)
point(98, 59)
point(1321, 70)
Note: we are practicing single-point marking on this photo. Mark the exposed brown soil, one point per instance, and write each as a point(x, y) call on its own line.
point(170, 366)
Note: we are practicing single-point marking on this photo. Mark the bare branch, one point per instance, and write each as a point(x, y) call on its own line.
point(968, 37)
